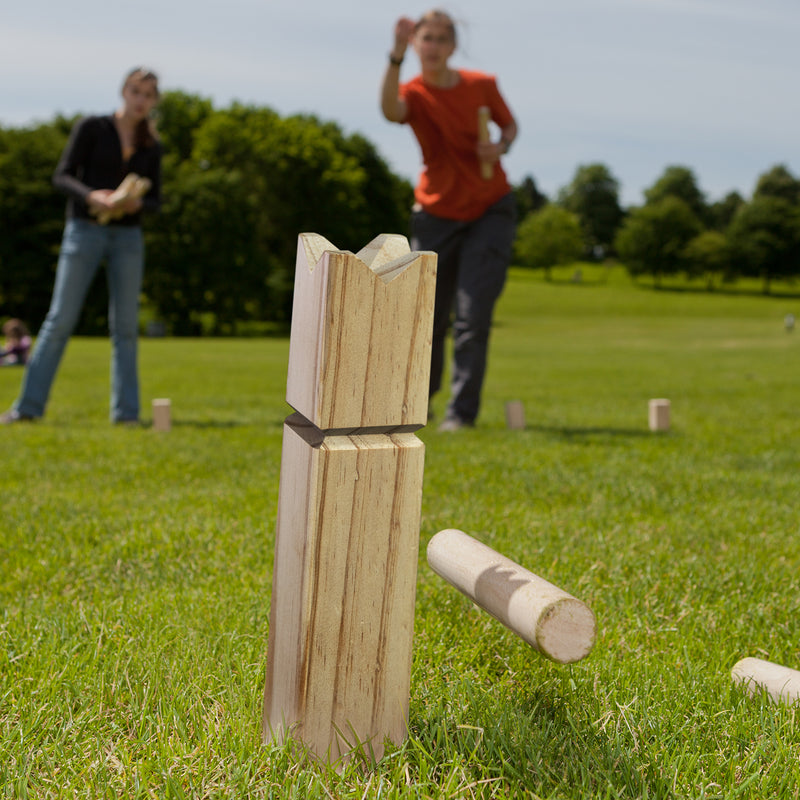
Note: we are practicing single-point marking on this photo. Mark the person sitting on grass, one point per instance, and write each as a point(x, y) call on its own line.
point(18, 344)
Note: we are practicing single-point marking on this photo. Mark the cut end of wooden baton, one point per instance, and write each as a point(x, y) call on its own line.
point(556, 624)
point(755, 675)
point(566, 632)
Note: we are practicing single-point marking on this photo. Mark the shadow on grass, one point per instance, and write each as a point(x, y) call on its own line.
point(721, 291)
point(569, 433)
point(212, 424)
point(551, 750)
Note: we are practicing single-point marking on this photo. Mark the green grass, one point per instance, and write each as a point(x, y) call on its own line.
point(136, 566)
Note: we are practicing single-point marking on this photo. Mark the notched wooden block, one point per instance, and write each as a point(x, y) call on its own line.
point(361, 334)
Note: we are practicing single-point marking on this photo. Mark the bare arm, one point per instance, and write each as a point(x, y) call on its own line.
point(392, 105)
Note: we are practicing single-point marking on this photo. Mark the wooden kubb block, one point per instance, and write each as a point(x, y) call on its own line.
point(658, 414)
point(342, 613)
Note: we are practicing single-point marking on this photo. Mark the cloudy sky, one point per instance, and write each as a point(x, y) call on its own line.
point(635, 84)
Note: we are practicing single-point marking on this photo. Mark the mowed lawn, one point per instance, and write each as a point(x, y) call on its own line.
point(135, 566)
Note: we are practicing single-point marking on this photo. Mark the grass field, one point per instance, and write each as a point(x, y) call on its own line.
point(136, 565)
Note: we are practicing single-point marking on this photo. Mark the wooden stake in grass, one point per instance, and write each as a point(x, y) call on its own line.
point(344, 581)
point(549, 619)
point(487, 169)
point(756, 675)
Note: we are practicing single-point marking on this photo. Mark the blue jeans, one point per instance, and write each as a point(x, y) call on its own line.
point(84, 246)
point(473, 259)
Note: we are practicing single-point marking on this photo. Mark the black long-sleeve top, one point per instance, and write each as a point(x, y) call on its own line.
point(93, 160)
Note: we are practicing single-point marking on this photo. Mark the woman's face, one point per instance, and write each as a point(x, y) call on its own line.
point(140, 97)
point(434, 44)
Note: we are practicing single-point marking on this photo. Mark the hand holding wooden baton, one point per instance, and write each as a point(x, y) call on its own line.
point(132, 187)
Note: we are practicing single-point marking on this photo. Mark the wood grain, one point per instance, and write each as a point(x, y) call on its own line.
point(360, 348)
point(341, 622)
point(344, 579)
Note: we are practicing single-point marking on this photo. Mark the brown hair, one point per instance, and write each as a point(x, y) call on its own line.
point(146, 134)
point(15, 329)
point(439, 16)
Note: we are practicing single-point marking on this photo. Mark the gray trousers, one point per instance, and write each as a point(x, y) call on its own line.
point(473, 259)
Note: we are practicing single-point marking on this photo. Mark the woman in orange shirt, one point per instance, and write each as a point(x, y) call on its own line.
point(465, 210)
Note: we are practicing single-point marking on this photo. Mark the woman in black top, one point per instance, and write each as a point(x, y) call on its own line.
point(101, 152)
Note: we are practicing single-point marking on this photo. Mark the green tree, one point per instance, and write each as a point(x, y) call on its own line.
point(593, 195)
point(233, 255)
point(547, 238)
point(179, 117)
point(708, 255)
point(723, 211)
point(31, 218)
point(679, 182)
point(778, 182)
point(653, 238)
point(529, 198)
point(765, 236)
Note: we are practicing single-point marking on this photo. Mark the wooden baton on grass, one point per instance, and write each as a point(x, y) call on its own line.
point(781, 683)
point(553, 622)
point(487, 169)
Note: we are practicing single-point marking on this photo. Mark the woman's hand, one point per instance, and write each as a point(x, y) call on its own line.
point(99, 200)
point(403, 31)
point(490, 152)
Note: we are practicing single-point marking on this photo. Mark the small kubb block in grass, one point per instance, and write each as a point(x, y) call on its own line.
point(659, 414)
point(553, 622)
point(782, 684)
point(515, 415)
point(344, 580)
point(162, 418)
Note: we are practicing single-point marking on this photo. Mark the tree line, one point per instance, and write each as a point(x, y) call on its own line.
point(240, 183)
point(675, 232)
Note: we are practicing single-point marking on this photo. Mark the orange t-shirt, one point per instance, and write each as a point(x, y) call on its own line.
point(445, 122)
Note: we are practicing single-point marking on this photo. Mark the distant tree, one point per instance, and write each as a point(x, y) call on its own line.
point(778, 182)
point(723, 211)
point(765, 237)
point(31, 218)
point(653, 238)
point(529, 198)
point(547, 238)
point(179, 117)
point(593, 195)
point(201, 253)
point(708, 255)
point(679, 182)
point(226, 239)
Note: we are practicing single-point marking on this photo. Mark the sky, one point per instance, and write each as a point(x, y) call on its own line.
point(638, 85)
